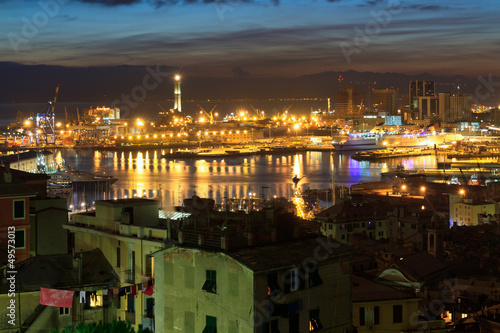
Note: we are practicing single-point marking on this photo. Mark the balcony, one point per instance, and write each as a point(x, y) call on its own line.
point(129, 276)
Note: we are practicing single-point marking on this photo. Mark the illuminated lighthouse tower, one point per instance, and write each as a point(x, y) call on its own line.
point(177, 93)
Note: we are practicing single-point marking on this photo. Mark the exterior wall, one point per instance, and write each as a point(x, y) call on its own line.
point(332, 298)
point(144, 213)
point(468, 214)
point(47, 233)
point(180, 301)
point(444, 106)
point(7, 220)
point(30, 165)
point(26, 302)
point(340, 231)
point(460, 107)
point(409, 317)
point(49, 318)
point(130, 270)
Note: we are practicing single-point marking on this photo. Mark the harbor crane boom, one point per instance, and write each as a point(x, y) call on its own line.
point(208, 114)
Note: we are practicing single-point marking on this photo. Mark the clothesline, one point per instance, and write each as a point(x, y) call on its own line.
point(64, 298)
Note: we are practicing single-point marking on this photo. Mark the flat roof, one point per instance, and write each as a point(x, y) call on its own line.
point(288, 254)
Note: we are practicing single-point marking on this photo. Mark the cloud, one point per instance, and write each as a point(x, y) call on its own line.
point(161, 3)
point(112, 3)
point(427, 7)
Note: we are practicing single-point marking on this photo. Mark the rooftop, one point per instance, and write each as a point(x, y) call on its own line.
point(287, 254)
point(56, 271)
point(364, 290)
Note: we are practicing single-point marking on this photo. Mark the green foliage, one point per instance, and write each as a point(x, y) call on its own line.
point(114, 327)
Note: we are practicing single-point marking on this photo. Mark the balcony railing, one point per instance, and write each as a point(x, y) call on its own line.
point(129, 276)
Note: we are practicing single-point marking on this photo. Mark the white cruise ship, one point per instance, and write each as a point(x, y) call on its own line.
point(373, 141)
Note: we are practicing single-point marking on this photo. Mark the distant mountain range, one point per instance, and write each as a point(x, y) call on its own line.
point(36, 83)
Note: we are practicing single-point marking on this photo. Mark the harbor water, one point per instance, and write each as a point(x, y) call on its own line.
point(146, 174)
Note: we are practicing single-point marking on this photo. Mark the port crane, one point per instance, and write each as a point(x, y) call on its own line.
point(260, 114)
point(210, 114)
point(45, 119)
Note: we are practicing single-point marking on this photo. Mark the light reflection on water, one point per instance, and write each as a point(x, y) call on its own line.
point(142, 173)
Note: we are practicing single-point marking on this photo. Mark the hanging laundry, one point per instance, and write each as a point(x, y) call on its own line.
point(134, 290)
point(82, 296)
point(121, 291)
point(149, 291)
point(99, 292)
point(55, 297)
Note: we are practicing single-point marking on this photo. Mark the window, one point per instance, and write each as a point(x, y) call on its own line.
point(314, 278)
point(150, 304)
point(210, 284)
point(130, 303)
point(149, 265)
point(330, 226)
point(117, 257)
point(273, 287)
point(314, 322)
point(363, 224)
point(211, 324)
point(376, 315)
point(19, 210)
point(20, 238)
point(361, 316)
point(291, 280)
point(132, 268)
point(63, 311)
point(397, 313)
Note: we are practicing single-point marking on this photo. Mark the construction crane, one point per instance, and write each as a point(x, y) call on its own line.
point(208, 114)
point(370, 90)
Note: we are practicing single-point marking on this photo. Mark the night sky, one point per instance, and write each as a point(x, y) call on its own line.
point(257, 38)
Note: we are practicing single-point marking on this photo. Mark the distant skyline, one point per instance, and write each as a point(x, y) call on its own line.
point(256, 38)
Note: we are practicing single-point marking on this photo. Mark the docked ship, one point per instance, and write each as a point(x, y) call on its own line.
point(375, 141)
point(79, 187)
